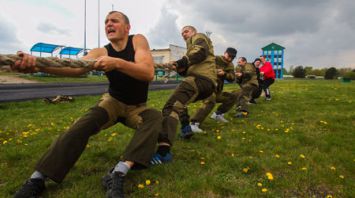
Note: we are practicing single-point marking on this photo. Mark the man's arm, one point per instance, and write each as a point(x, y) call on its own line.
point(28, 65)
point(143, 67)
point(229, 73)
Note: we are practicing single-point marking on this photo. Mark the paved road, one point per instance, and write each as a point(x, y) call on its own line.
point(21, 92)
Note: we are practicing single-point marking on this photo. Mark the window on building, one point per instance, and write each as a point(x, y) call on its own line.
point(158, 59)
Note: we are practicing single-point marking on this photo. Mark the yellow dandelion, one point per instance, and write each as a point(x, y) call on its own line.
point(147, 182)
point(260, 184)
point(232, 154)
point(264, 190)
point(277, 156)
point(140, 186)
point(341, 176)
point(289, 163)
point(329, 196)
point(302, 156)
point(269, 176)
point(113, 134)
point(52, 124)
point(4, 142)
point(156, 194)
point(202, 163)
point(246, 169)
point(219, 137)
point(304, 168)
point(261, 151)
point(332, 168)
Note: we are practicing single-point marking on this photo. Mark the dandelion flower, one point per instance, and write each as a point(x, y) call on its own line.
point(245, 170)
point(332, 168)
point(329, 196)
point(302, 156)
point(341, 176)
point(4, 142)
point(269, 176)
point(277, 156)
point(202, 163)
point(304, 168)
point(260, 184)
point(147, 182)
point(289, 163)
point(264, 190)
point(219, 137)
point(140, 186)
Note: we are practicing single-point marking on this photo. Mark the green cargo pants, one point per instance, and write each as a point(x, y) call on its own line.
point(192, 89)
point(241, 98)
point(66, 150)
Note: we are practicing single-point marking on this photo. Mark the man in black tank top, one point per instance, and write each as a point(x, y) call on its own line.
point(128, 64)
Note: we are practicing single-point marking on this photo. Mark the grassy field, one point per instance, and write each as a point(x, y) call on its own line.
point(300, 144)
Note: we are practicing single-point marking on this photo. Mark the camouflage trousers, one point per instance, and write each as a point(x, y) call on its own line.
point(192, 89)
point(241, 98)
point(209, 103)
point(66, 150)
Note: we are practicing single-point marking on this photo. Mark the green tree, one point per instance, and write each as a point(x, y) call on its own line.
point(331, 73)
point(299, 72)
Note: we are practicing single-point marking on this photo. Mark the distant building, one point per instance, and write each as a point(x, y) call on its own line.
point(275, 55)
point(172, 53)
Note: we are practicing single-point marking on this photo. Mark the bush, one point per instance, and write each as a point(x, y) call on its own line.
point(350, 75)
point(331, 73)
point(299, 72)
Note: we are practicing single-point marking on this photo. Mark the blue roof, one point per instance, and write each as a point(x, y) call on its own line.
point(44, 47)
point(70, 51)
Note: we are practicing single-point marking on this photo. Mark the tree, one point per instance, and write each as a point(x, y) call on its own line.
point(331, 73)
point(308, 70)
point(284, 71)
point(299, 72)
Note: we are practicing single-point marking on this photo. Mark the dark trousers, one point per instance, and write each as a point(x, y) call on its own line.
point(241, 98)
point(66, 150)
point(190, 90)
point(265, 86)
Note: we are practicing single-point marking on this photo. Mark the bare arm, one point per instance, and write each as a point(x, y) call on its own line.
point(143, 67)
point(28, 65)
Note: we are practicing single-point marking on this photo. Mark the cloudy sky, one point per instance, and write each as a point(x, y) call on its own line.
point(319, 33)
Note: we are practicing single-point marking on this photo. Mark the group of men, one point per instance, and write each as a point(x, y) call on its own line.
point(129, 67)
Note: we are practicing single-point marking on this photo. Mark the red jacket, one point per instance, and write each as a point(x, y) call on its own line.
point(268, 71)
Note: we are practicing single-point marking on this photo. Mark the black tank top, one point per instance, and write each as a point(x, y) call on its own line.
point(123, 87)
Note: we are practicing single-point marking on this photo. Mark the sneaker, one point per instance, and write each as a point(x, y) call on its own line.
point(32, 188)
point(267, 98)
point(115, 189)
point(195, 127)
point(159, 159)
point(252, 101)
point(186, 132)
point(242, 114)
point(218, 117)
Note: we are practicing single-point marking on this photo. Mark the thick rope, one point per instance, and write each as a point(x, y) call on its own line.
point(10, 59)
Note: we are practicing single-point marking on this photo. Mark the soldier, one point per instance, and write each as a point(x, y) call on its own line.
point(225, 71)
point(199, 68)
point(257, 93)
point(128, 65)
point(246, 75)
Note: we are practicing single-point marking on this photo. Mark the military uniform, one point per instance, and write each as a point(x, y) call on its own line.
point(220, 96)
point(248, 83)
point(199, 68)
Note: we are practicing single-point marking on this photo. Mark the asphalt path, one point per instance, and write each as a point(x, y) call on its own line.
point(22, 92)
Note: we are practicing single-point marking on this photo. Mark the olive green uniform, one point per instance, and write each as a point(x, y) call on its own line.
point(200, 81)
point(248, 83)
point(220, 96)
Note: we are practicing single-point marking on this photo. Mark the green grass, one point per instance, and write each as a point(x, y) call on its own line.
point(59, 79)
point(314, 119)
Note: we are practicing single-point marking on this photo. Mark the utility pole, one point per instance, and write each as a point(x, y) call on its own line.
point(98, 23)
point(85, 28)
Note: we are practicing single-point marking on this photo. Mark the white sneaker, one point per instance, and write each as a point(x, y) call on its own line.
point(195, 127)
point(219, 118)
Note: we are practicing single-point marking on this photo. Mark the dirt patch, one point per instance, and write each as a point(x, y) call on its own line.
point(14, 80)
